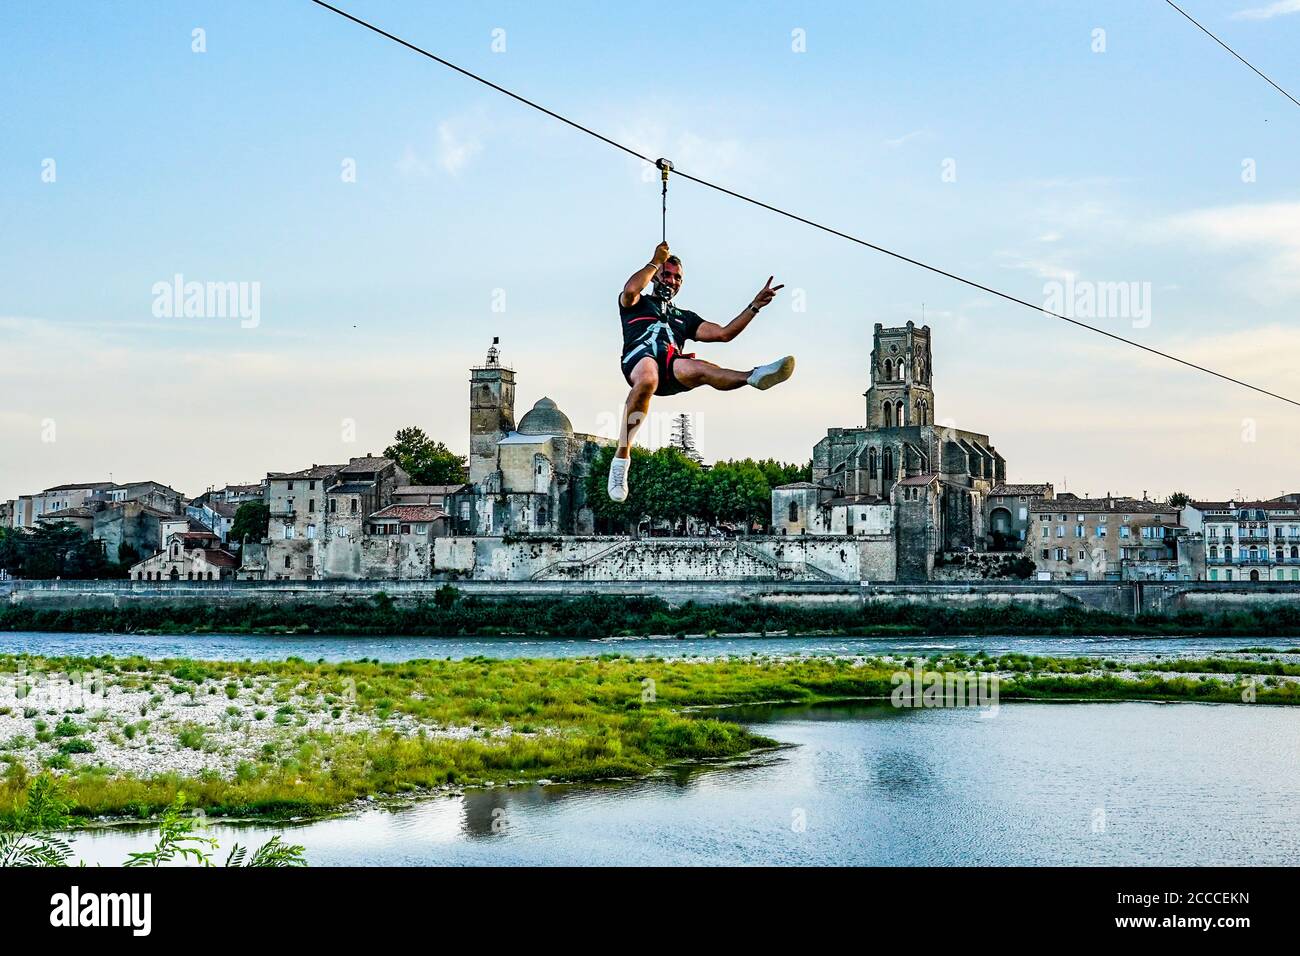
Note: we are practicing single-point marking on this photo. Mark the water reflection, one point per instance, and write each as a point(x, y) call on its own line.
point(1060, 784)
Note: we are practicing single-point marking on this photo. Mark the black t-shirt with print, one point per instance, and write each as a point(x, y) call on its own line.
point(647, 327)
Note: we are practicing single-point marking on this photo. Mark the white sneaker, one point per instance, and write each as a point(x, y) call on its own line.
point(617, 487)
point(773, 373)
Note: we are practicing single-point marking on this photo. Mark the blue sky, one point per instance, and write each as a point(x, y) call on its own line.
point(375, 296)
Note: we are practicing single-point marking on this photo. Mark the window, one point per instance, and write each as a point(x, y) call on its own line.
point(334, 505)
point(1082, 554)
point(1079, 530)
point(288, 532)
point(310, 561)
point(1214, 574)
point(1101, 519)
point(311, 504)
point(406, 529)
point(289, 485)
point(1101, 531)
point(424, 528)
point(1044, 554)
point(1124, 532)
point(311, 486)
point(1060, 531)
point(288, 560)
point(1047, 532)
point(794, 511)
point(311, 531)
point(354, 505)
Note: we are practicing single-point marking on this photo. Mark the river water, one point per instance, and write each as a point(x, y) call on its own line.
point(316, 647)
point(1065, 784)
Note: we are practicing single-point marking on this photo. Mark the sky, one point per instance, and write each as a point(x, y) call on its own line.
point(385, 217)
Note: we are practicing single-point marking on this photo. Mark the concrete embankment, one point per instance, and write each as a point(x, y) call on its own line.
point(1114, 597)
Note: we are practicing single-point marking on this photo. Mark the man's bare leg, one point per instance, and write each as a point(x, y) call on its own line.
point(693, 373)
point(645, 379)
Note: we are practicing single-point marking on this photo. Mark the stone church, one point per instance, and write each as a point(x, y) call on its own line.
point(528, 476)
point(900, 474)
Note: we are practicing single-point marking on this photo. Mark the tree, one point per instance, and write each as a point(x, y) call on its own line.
point(251, 521)
point(426, 461)
point(1179, 499)
point(58, 550)
point(738, 491)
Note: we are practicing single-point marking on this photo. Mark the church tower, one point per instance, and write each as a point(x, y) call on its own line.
point(491, 412)
point(901, 392)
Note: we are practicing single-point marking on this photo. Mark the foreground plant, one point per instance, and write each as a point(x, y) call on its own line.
point(29, 841)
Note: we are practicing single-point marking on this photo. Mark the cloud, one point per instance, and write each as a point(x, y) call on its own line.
point(701, 155)
point(908, 137)
point(456, 148)
point(1279, 9)
point(1267, 233)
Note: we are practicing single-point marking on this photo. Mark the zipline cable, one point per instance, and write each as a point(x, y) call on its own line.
point(1233, 52)
point(795, 217)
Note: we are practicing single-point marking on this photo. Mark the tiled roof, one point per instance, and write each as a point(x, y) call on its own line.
point(1273, 505)
point(366, 464)
point(242, 489)
point(1035, 490)
point(221, 559)
point(410, 513)
point(1109, 505)
point(352, 488)
point(66, 513)
point(428, 489)
point(919, 480)
point(315, 471)
point(96, 485)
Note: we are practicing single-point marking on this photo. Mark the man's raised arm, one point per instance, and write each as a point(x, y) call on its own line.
point(641, 278)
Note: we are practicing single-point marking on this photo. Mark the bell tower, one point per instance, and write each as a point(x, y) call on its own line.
point(491, 412)
point(901, 393)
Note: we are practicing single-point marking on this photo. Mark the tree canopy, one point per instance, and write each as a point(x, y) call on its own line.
point(251, 520)
point(428, 462)
point(667, 485)
point(55, 551)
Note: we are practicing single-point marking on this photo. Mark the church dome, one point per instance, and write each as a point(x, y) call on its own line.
point(545, 418)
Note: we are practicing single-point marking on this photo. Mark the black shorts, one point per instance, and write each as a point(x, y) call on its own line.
point(664, 361)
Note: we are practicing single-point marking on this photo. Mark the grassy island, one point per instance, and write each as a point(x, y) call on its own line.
point(280, 738)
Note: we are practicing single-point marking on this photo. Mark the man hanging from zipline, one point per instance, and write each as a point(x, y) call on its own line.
point(654, 331)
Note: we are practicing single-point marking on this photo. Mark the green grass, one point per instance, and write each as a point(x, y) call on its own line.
point(573, 719)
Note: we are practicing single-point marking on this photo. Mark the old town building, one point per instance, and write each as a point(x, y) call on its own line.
point(1107, 539)
point(524, 477)
point(931, 480)
point(1248, 540)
